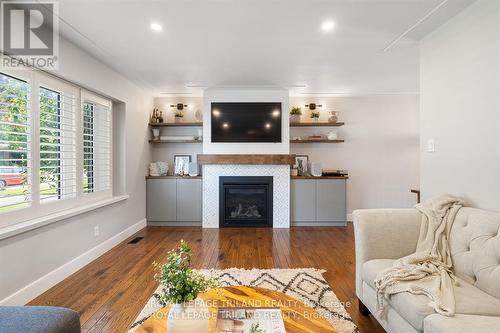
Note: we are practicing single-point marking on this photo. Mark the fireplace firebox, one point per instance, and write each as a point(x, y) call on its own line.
point(245, 201)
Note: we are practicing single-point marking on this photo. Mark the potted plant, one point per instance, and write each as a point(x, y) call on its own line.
point(181, 286)
point(178, 116)
point(295, 114)
point(314, 116)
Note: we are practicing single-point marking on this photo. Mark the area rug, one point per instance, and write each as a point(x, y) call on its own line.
point(304, 284)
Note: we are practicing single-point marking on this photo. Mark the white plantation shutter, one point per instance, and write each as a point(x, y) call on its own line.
point(55, 146)
point(15, 143)
point(97, 119)
point(57, 140)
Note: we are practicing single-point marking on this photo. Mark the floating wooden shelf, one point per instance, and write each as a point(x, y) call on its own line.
point(184, 124)
point(292, 177)
point(257, 159)
point(173, 177)
point(337, 124)
point(175, 141)
point(316, 141)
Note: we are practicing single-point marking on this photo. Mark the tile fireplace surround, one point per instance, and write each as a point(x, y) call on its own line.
point(213, 170)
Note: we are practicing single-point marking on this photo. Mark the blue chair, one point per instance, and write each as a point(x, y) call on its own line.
point(38, 319)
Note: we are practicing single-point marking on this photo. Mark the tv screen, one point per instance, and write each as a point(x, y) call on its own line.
point(246, 122)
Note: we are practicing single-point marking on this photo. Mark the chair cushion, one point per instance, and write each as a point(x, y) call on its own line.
point(461, 324)
point(414, 308)
point(38, 319)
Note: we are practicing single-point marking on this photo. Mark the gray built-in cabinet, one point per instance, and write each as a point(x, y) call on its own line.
point(318, 202)
point(178, 201)
point(174, 201)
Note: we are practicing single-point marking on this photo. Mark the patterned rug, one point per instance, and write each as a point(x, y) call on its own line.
point(304, 284)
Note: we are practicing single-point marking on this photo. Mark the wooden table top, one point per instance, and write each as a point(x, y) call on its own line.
point(298, 317)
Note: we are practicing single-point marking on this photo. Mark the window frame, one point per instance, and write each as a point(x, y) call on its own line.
point(48, 82)
point(36, 210)
point(89, 97)
point(22, 214)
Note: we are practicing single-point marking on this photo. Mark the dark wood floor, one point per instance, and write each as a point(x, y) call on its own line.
point(110, 292)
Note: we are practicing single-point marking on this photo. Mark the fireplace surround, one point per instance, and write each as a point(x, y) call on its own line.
point(245, 201)
point(276, 166)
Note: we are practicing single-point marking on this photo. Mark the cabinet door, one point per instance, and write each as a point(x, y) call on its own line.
point(161, 200)
point(330, 200)
point(303, 198)
point(189, 200)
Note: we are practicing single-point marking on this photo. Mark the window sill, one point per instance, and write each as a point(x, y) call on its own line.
point(39, 222)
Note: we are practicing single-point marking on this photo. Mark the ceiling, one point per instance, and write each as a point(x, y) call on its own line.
point(210, 43)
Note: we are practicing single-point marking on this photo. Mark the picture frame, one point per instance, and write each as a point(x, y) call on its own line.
point(181, 164)
point(302, 163)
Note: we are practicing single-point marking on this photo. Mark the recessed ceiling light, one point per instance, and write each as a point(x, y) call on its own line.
point(327, 26)
point(276, 113)
point(225, 125)
point(216, 113)
point(268, 125)
point(156, 27)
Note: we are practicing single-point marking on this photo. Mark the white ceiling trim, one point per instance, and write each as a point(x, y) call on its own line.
point(413, 27)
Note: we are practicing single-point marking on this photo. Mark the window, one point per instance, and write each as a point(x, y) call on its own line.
point(57, 145)
point(96, 143)
point(55, 151)
point(15, 189)
point(88, 147)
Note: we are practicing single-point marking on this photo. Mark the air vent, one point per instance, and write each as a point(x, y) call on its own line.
point(136, 240)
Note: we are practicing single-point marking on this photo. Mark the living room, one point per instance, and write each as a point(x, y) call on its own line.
point(250, 166)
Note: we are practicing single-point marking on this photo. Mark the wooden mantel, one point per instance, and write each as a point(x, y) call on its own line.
point(246, 159)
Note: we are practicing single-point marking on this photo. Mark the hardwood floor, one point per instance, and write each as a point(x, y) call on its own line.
point(110, 292)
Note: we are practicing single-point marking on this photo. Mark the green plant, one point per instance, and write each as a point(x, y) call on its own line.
point(296, 111)
point(181, 284)
point(179, 114)
point(314, 115)
point(256, 329)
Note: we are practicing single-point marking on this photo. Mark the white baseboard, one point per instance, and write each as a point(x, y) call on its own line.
point(49, 280)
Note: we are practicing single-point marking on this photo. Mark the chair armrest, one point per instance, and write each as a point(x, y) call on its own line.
point(384, 234)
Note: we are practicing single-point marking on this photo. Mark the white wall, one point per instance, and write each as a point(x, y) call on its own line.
point(460, 106)
point(26, 259)
point(245, 95)
point(381, 151)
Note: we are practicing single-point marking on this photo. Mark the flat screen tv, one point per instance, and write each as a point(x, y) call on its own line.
point(246, 122)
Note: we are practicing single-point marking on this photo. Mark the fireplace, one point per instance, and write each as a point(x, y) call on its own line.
point(245, 201)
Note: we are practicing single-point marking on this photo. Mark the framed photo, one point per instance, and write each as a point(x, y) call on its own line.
point(302, 162)
point(181, 164)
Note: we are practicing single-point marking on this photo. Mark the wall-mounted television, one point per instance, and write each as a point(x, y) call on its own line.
point(246, 122)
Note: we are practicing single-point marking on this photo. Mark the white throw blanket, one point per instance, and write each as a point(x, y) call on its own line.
point(428, 270)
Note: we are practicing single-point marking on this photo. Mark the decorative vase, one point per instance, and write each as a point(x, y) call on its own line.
point(156, 133)
point(198, 115)
point(178, 119)
point(315, 120)
point(188, 317)
point(295, 118)
point(334, 117)
point(332, 135)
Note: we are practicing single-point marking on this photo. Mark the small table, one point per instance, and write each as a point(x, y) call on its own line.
point(298, 317)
